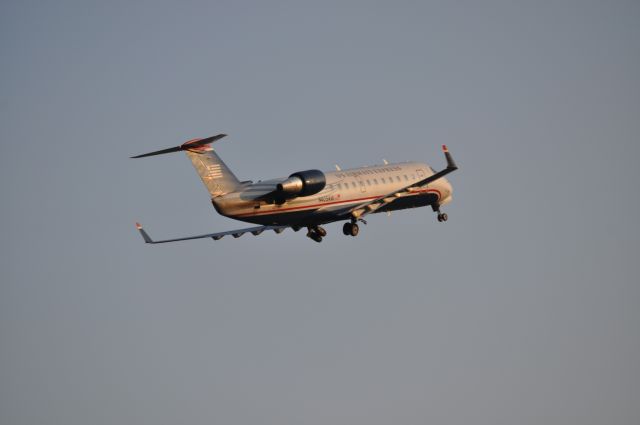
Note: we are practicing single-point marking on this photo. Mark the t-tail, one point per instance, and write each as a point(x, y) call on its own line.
point(213, 172)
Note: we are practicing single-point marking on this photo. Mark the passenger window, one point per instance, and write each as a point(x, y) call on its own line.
point(339, 185)
point(368, 182)
point(375, 181)
point(398, 178)
point(413, 176)
point(353, 184)
point(383, 180)
point(406, 178)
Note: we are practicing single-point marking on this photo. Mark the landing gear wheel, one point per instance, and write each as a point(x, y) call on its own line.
point(443, 217)
point(320, 231)
point(312, 234)
point(350, 229)
point(316, 237)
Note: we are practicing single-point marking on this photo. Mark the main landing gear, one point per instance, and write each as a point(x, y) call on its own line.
point(442, 217)
point(351, 228)
point(316, 233)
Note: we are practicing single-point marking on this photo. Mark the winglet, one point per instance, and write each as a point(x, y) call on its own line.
point(451, 165)
point(145, 235)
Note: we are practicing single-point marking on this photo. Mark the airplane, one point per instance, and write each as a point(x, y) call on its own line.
point(312, 198)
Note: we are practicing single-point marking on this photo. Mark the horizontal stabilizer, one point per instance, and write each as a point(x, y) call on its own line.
point(191, 144)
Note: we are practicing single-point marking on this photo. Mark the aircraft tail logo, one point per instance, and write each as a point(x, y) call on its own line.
point(213, 172)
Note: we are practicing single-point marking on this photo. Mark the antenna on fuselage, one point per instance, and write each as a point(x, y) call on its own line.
point(337, 167)
point(385, 162)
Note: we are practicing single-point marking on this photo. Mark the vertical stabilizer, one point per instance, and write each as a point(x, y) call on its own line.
point(213, 172)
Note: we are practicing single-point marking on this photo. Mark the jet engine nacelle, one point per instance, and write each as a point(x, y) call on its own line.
point(303, 183)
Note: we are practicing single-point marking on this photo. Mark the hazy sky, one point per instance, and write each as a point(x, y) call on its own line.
point(521, 309)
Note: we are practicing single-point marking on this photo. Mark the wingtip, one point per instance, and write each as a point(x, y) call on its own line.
point(451, 164)
point(144, 234)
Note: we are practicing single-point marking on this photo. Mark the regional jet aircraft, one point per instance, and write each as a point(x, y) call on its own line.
point(308, 199)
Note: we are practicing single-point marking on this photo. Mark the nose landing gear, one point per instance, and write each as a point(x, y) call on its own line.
point(442, 217)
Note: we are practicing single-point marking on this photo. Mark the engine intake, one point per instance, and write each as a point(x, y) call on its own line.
point(303, 183)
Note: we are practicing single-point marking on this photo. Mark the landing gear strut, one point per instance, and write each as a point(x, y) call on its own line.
point(316, 233)
point(441, 216)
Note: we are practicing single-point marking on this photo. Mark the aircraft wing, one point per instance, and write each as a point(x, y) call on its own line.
point(372, 205)
point(215, 236)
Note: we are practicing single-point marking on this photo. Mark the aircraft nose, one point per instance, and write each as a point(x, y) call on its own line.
point(448, 188)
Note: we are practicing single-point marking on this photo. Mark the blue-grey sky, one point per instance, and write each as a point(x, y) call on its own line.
point(521, 309)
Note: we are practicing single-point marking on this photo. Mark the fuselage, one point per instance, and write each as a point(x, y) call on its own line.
point(344, 189)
